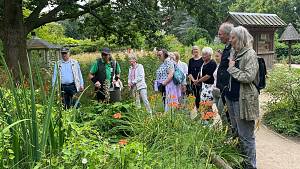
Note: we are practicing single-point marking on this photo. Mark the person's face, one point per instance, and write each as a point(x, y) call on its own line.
point(132, 62)
point(196, 52)
point(105, 57)
point(172, 56)
point(160, 55)
point(223, 36)
point(65, 56)
point(233, 40)
point(218, 57)
point(206, 57)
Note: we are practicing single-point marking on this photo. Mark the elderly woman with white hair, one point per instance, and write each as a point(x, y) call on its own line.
point(205, 75)
point(137, 84)
point(242, 99)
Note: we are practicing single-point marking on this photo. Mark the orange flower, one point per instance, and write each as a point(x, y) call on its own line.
point(117, 116)
point(173, 97)
point(173, 104)
point(208, 115)
point(123, 142)
point(206, 103)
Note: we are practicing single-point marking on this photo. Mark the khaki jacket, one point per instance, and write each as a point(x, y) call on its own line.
point(246, 74)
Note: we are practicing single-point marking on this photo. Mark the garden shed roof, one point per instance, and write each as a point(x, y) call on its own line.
point(290, 34)
point(37, 43)
point(256, 19)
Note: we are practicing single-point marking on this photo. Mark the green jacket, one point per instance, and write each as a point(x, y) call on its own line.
point(246, 74)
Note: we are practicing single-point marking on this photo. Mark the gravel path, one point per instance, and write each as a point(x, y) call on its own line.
point(273, 150)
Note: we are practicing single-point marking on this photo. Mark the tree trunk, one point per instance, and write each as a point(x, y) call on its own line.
point(14, 38)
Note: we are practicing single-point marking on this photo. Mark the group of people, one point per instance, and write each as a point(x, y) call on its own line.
point(227, 80)
point(104, 74)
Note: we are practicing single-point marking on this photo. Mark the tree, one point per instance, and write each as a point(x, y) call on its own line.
point(127, 20)
point(15, 27)
point(185, 28)
point(208, 15)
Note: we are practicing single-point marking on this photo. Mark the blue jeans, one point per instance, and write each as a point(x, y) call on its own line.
point(245, 131)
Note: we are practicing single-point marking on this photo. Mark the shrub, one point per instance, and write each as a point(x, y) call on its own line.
point(282, 50)
point(294, 59)
point(284, 108)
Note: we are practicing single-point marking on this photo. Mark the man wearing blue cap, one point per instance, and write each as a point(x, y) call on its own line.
point(105, 74)
point(70, 77)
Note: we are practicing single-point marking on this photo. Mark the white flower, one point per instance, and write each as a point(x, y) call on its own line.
point(84, 161)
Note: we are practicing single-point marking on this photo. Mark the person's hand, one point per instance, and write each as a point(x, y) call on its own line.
point(129, 85)
point(164, 83)
point(97, 84)
point(81, 88)
point(195, 82)
point(190, 77)
point(231, 63)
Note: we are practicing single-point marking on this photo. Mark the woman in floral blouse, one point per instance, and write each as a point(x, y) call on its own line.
point(164, 80)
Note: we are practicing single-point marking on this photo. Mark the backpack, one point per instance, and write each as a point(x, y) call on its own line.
point(260, 80)
point(178, 76)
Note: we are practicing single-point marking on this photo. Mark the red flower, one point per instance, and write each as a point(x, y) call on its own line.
point(117, 116)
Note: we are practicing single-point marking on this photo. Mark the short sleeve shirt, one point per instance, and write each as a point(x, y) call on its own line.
point(162, 71)
point(209, 69)
point(94, 69)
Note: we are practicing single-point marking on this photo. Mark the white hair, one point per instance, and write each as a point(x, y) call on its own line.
point(244, 38)
point(227, 27)
point(132, 57)
point(207, 50)
point(195, 47)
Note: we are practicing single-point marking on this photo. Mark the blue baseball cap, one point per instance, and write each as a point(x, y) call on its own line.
point(64, 50)
point(106, 51)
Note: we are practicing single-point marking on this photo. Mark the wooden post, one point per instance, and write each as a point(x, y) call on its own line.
point(290, 53)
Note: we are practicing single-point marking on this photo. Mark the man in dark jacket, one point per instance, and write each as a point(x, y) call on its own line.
point(222, 74)
point(105, 74)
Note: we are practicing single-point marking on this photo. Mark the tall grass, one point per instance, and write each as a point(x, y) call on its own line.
point(28, 140)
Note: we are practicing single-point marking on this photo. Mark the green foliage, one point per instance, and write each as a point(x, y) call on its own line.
point(283, 110)
point(185, 28)
point(207, 15)
point(282, 50)
point(54, 33)
point(27, 140)
point(163, 141)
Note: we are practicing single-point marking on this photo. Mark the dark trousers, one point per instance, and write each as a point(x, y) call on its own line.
point(100, 95)
point(114, 96)
point(162, 90)
point(67, 92)
point(196, 92)
point(245, 131)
